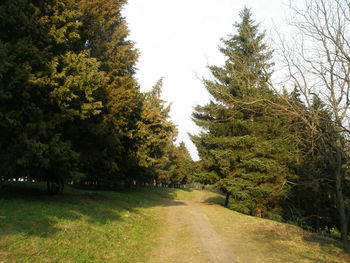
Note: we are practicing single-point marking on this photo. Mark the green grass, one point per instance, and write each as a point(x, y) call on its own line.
point(105, 226)
point(181, 193)
point(78, 226)
point(266, 241)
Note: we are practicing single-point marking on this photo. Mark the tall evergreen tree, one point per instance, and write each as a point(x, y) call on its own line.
point(107, 141)
point(46, 84)
point(243, 147)
point(312, 203)
point(181, 165)
point(156, 134)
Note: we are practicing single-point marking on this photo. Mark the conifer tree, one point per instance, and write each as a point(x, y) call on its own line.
point(47, 83)
point(243, 147)
point(110, 157)
point(312, 202)
point(156, 134)
point(181, 165)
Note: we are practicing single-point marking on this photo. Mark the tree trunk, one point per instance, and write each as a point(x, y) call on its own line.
point(341, 206)
point(54, 186)
point(54, 183)
point(227, 199)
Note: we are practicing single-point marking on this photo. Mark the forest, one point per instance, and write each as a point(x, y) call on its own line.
point(72, 113)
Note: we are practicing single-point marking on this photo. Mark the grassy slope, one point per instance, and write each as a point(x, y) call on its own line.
point(102, 226)
point(260, 240)
point(78, 226)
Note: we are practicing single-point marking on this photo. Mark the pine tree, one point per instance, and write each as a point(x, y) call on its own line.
point(156, 134)
point(181, 165)
point(243, 146)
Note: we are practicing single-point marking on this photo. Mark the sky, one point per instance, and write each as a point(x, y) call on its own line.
point(177, 40)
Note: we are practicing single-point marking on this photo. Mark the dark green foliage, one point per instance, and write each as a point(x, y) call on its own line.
point(107, 141)
point(156, 134)
point(312, 203)
point(70, 107)
point(181, 165)
point(68, 100)
point(46, 84)
point(244, 148)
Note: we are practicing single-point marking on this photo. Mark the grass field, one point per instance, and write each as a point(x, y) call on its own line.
point(104, 226)
point(78, 226)
point(261, 240)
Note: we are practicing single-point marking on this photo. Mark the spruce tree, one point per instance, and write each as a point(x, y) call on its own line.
point(181, 165)
point(243, 146)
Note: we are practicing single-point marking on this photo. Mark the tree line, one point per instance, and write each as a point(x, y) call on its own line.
point(71, 110)
point(282, 151)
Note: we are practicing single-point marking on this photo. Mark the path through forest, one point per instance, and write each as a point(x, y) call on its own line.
point(196, 230)
point(189, 236)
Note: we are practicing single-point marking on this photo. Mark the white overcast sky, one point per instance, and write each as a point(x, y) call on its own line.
point(177, 39)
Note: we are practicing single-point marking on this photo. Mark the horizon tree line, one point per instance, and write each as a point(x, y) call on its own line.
point(71, 110)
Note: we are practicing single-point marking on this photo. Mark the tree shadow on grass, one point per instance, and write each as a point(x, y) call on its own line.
point(25, 208)
point(219, 200)
point(277, 237)
point(297, 243)
point(323, 241)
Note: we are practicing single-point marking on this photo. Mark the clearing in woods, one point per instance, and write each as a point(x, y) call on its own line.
point(151, 225)
point(197, 230)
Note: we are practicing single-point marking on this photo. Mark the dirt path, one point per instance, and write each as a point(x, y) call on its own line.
point(203, 232)
point(188, 236)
